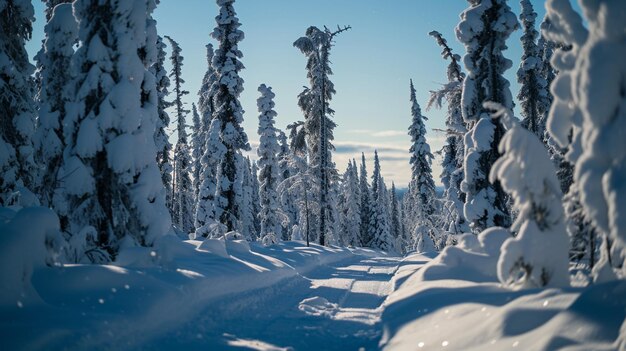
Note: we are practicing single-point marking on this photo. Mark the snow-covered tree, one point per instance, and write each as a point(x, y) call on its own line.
point(379, 217)
point(161, 138)
point(197, 146)
point(589, 114)
point(211, 150)
point(269, 170)
point(111, 178)
point(228, 111)
point(203, 122)
point(207, 90)
point(454, 148)
point(54, 94)
point(183, 187)
point(538, 255)
point(314, 102)
point(396, 228)
point(206, 221)
point(484, 28)
point(533, 95)
point(249, 211)
point(300, 183)
point(366, 204)
point(422, 183)
point(286, 200)
point(350, 208)
point(17, 108)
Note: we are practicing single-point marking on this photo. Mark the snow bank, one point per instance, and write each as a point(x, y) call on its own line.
point(474, 259)
point(458, 314)
point(23, 237)
point(456, 302)
point(146, 295)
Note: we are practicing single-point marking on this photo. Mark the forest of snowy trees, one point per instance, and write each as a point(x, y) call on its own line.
point(85, 131)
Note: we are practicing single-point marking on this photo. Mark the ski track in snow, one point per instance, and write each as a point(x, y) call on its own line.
point(332, 307)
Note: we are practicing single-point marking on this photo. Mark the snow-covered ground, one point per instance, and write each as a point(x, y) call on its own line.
point(450, 312)
point(212, 293)
point(218, 294)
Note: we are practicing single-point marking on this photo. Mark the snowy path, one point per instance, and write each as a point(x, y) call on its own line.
point(332, 307)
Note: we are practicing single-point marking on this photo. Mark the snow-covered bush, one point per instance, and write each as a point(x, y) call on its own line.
point(538, 255)
point(23, 249)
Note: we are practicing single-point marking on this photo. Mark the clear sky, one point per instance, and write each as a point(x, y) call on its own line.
point(372, 64)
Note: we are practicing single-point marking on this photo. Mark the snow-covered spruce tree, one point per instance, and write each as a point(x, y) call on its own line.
point(248, 210)
point(198, 140)
point(533, 96)
point(256, 196)
point(17, 108)
point(54, 94)
point(422, 183)
point(161, 138)
point(269, 170)
point(207, 90)
point(314, 101)
point(299, 184)
point(203, 122)
point(349, 211)
point(590, 100)
point(379, 218)
point(112, 181)
point(286, 200)
point(454, 149)
point(538, 255)
point(212, 151)
point(366, 205)
point(228, 111)
point(182, 188)
point(396, 228)
point(206, 221)
point(484, 28)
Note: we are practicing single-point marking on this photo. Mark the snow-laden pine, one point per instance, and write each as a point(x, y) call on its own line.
point(54, 94)
point(453, 218)
point(182, 184)
point(422, 195)
point(484, 28)
point(533, 95)
point(350, 208)
point(161, 138)
point(197, 144)
point(249, 208)
point(271, 215)
point(111, 178)
point(379, 221)
point(589, 107)
point(538, 255)
point(16, 102)
point(314, 102)
point(229, 114)
point(366, 204)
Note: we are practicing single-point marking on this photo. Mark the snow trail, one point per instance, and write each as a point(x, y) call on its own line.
point(335, 306)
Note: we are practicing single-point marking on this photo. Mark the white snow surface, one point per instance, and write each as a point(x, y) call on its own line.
point(460, 314)
point(231, 294)
point(215, 294)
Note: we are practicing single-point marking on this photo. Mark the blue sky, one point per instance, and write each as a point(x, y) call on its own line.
point(372, 63)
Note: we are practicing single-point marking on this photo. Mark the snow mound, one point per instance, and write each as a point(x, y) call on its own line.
point(22, 250)
point(473, 259)
point(318, 306)
point(463, 315)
